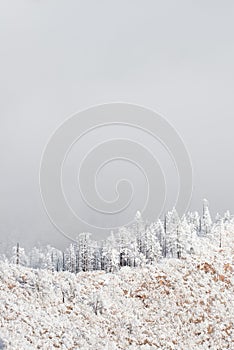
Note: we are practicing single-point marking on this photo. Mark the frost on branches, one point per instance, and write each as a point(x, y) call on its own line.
point(138, 245)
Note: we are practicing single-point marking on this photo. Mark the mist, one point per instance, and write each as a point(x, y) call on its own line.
point(60, 57)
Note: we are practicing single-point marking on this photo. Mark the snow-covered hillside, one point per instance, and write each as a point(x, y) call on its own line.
point(185, 303)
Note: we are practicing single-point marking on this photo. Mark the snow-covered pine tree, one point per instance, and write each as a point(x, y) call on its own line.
point(206, 222)
point(123, 244)
point(139, 228)
point(110, 255)
point(97, 258)
point(35, 258)
point(106, 262)
point(181, 240)
point(160, 233)
point(113, 254)
point(227, 219)
point(218, 231)
point(189, 232)
point(153, 247)
point(19, 256)
point(49, 258)
point(172, 233)
point(193, 219)
point(71, 258)
point(85, 252)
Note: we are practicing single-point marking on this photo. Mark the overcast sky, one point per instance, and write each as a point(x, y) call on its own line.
point(58, 57)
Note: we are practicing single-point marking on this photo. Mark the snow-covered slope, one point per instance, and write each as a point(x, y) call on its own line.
point(176, 304)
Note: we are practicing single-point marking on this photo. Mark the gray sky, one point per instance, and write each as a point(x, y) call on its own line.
point(58, 57)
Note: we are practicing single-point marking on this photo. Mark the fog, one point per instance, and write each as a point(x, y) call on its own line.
point(60, 57)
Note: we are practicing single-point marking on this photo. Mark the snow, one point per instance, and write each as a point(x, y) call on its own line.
point(185, 303)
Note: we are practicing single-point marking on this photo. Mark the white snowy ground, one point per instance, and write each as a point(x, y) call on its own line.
point(178, 304)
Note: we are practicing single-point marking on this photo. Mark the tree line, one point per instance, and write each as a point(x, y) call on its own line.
point(137, 245)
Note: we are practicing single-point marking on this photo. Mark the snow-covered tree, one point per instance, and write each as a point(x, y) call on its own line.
point(124, 238)
point(152, 244)
point(172, 222)
point(161, 235)
point(97, 257)
point(85, 262)
point(206, 221)
point(139, 229)
point(19, 256)
point(71, 259)
point(36, 258)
